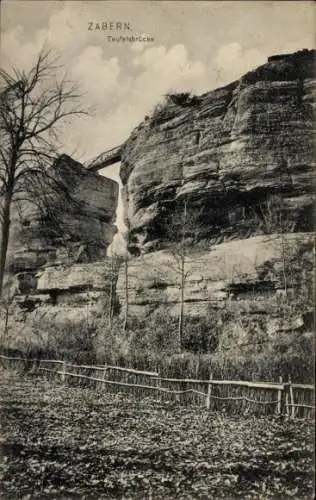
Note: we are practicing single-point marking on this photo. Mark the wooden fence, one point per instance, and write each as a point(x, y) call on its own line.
point(231, 396)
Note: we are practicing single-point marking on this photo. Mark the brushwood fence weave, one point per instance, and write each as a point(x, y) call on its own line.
point(231, 396)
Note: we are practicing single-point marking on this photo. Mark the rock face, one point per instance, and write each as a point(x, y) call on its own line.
point(221, 181)
point(225, 153)
point(73, 221)
point(238, 161)
point(63, 296)
point(261, 284)
point(57, 265)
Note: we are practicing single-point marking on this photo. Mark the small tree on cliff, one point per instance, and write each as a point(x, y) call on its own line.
point(115, 261)
point(180, 253)
point(184, 226)
point(274, 219)
point(182, 230)
point(31, 111)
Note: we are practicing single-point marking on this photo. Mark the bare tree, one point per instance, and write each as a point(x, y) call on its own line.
point(124, 259)
point(112, 275)
point(5, 307)
point(112, 288)
point(182, 230)
point(275, 219)
point(180, 253)
point(32, 108)
point(126, 312)
point(185, 224)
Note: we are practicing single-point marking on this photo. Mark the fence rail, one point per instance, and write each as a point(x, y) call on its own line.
point(293, 400)
point(241, 383)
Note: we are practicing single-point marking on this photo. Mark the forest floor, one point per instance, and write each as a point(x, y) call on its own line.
point(60, 442)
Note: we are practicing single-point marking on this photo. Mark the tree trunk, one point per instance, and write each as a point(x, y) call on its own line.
point(112, 291)
point(182, 280)
point(314, 282)
point(5, 330)
point(126, 294)
point(5, 233)
point(111, 303)
point(284, 264)
point(181, 308)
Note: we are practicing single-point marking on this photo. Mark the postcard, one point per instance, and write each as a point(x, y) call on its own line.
point(157, 249)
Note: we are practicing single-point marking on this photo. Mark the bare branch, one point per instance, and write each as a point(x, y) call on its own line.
point(31, 110)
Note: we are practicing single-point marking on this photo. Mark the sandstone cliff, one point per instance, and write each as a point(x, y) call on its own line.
point(224, 152)
point(240, 159)
point(69, 217)
point(254, 288)
point(238, 163)
point(56, 267)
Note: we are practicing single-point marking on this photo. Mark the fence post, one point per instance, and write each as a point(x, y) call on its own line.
point(209, 392)
point(279, 407)
point(102, 385)
point(291, 398)
point(63, 372)
point(287, 407)
point(33, 366)
point(159, 394)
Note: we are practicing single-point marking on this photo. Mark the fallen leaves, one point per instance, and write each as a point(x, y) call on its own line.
point(62, 442)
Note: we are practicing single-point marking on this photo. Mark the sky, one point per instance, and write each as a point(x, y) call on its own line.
point(187, 46)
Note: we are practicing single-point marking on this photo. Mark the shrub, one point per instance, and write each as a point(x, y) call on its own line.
point(42, 339)
point(182, 99)
point(168, 108)
point(200, 335)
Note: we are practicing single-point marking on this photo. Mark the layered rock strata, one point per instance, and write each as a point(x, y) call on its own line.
point(69, 217)
point(225, 153)
point(239, 162)
point(224, 181)
point(63, 296)
point(263, 284)
point(58, 272)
